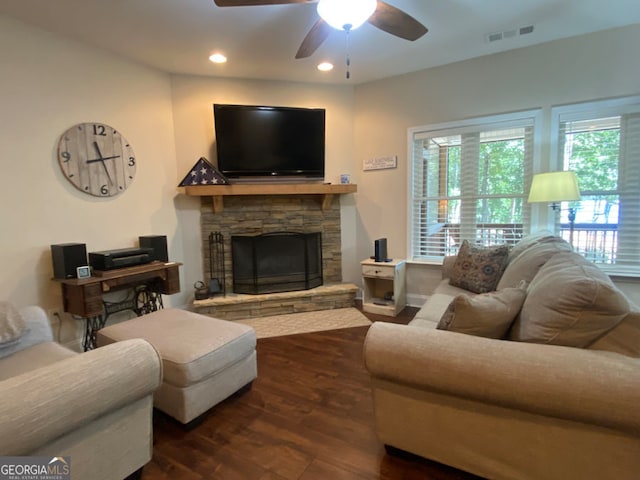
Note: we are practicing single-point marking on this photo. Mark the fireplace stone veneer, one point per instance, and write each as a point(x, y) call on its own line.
point(237, 306)
point(257, 214)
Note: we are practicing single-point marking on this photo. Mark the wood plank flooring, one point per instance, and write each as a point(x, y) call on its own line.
point(308, 416)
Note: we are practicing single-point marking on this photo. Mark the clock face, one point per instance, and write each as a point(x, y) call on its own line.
point(97, 159)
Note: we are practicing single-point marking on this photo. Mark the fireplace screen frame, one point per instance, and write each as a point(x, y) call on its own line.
point(294, 262)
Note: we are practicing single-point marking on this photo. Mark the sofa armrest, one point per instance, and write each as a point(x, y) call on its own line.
point(44, 404)
point(595, 387)
point(447, 265)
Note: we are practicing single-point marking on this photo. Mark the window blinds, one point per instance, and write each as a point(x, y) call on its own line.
point(469, 182)
point(600, 141)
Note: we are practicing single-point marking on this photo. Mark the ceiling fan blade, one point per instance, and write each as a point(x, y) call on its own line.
point(250, 3)
point(318, 34)
point(396, 22)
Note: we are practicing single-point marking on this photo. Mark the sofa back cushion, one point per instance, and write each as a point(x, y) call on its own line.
point(569, 302)
point(529, 241)
point(12, 325)
point(527, 257)
point(624, 338)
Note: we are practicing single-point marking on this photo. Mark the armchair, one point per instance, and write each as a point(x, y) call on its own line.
point(95, 407)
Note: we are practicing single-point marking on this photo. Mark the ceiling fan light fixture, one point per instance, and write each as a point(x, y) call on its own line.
point(346, 14)
point(325, 66)
point(218, 58)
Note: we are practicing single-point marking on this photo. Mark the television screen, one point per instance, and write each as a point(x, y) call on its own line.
point(257, 142)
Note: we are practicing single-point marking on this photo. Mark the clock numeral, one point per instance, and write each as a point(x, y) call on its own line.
point(99, 130)
point(104, 190)
point(132, 161)
point(66, 156)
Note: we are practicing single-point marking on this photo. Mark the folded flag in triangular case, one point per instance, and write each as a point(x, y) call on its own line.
point(204, 173)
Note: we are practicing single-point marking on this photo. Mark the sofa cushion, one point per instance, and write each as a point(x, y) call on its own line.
point(12, 325)
point(486, 315)
point(624, 338)
point(528, 261)
point(478, 269)
point(569, 302)
point(34, 357)
point(529, 241)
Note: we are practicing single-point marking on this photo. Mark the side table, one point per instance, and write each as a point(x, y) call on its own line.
point(384, 289)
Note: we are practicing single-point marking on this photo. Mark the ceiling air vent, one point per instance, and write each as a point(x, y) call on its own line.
point(506, 34)
point(526, 30)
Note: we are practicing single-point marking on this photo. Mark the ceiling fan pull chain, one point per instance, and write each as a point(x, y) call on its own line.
point(348, 60)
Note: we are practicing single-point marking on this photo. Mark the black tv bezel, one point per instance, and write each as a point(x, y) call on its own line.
point(276, 174)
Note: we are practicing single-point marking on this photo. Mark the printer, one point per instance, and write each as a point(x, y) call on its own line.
point(119, 258)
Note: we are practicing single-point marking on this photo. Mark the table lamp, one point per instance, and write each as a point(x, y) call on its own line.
point(553, 188)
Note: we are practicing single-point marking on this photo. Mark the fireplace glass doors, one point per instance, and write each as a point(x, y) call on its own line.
point(276, 262)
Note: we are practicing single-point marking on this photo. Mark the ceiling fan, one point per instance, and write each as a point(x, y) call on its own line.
point(379, 14)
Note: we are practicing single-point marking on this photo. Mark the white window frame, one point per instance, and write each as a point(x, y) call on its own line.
point(588, 111)
point(531, 118)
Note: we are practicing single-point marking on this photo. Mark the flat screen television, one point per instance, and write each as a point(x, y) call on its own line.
point(258, 143)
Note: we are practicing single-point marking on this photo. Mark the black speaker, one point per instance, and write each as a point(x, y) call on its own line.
point(67, 257)
point(380, 250)
point(159, 245)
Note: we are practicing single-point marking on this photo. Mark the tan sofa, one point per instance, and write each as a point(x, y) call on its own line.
point(507, 409)
point(95, 407)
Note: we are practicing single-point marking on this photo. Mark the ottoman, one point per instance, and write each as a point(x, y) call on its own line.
point(204, 359)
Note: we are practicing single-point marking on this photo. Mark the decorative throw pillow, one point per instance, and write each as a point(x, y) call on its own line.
point(478, 269)
point(12, 325)
point(487, 315)
point(570, 302)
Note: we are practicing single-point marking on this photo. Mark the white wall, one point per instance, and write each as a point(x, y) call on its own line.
point(47, 85)
point(50, 83)
point(590, 67)
point(193, 99)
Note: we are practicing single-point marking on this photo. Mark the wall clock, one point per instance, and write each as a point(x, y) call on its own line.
point(96, 159)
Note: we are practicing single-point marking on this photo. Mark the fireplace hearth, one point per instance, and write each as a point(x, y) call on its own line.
point(276, 262)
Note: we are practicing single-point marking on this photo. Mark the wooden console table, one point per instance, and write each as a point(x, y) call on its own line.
point(218, 192)
point(84, 296)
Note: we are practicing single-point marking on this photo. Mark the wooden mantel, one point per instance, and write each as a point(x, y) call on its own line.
point(218, 192)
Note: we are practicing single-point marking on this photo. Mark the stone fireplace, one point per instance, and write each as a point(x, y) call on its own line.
point(252, 215)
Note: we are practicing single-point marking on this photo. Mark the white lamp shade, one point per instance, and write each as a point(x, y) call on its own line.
point(554, 187)
point(346, 14)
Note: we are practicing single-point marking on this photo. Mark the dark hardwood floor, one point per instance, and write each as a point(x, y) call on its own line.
point(308, 416)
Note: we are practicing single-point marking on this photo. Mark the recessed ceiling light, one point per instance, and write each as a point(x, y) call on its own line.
point(218, 58)
point(325, 67)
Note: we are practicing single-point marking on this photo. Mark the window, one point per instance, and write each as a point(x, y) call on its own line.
point(469, 181)
point(600, 141)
